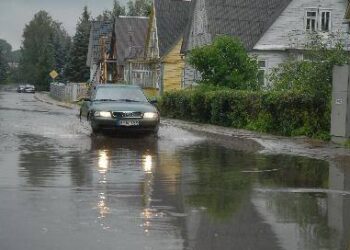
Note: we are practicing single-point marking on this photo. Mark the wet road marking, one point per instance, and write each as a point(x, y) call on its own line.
point(302, 190)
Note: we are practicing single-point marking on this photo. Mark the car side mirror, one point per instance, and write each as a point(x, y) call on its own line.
point(85, 99)
point(153, 101)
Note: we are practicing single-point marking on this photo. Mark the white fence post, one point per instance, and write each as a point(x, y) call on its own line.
point(68, 92)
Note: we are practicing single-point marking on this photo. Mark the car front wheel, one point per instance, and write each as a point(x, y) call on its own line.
point(95, 128)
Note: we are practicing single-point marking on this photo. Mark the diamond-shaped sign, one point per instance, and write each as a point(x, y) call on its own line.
point(53, 74)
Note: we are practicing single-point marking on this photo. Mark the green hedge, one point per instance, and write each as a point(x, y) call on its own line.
point(286, 113)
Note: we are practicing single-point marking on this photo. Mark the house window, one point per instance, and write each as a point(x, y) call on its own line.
point(201, 4)
point(318, 20)
point(200, 24)
point(325, 21)
point(311, 20)
point(261, 72)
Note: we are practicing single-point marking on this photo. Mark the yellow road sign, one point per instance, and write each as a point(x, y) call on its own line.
point(53, 74)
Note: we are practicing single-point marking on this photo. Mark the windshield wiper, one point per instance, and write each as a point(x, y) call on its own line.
point(116, 100)
point(104, 100)
point(127, 100)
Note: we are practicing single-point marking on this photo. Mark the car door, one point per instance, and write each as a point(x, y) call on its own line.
point(85, 107)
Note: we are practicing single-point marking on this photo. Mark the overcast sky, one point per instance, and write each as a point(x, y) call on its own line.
point(14, 14)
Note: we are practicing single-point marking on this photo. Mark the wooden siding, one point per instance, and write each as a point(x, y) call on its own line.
point(152, 48)
point(188, 76)
point(347, 13)
point(151, 92)
point(196, 39)
point(173, 68)
point(288, 31)
point(272, 59)
point(199, 34)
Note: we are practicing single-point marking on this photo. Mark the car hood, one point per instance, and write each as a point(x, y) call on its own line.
point(122, 106)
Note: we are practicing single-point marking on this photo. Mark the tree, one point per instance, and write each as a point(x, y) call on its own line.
point(37, 51)
point(117, 11)
point(139, 7)
point(225, 63)
point(108, 15)
point(5, 56)
point(61, 42)
point(77, 70)
point(314, 75)
point(14, 73)
point(44, 49)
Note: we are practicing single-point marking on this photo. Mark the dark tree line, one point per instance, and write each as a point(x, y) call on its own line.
point(47, 46)
point(5, 58)
point(133, 8)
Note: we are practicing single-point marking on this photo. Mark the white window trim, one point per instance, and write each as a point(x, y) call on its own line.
point(318, 18)
point(321, 10)
point(265, 69)
point(306, 18)
point(199, 23)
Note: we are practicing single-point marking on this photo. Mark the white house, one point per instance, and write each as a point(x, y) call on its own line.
point(271, 30)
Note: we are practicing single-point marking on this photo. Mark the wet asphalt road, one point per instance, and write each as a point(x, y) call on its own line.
point(60, 188)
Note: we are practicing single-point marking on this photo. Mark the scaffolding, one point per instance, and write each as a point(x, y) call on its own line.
point(106, 65)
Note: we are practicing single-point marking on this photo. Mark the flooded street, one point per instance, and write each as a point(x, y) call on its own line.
point(61, 188)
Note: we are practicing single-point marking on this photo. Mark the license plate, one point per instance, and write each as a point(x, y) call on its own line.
point(128, 123)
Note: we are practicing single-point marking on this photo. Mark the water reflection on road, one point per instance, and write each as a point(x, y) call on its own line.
point(62, 189)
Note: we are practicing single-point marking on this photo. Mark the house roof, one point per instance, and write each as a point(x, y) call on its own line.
point(98, 29)
point(187, 32)
point(246, 19)
point(347, 13)
point(172, 17)
point(130, 35)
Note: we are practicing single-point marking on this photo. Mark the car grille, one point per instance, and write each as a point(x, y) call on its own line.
point(127, 114)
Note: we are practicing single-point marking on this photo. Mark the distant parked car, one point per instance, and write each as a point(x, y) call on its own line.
point(29, 88)
point(20, 88)
point(123, 109)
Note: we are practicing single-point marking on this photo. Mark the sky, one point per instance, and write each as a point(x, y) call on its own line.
point(15, 14)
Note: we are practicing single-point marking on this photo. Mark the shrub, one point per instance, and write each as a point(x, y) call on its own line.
point(287, 113)
point(225, 63)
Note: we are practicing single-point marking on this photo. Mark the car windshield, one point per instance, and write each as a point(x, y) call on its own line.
point(119, 94)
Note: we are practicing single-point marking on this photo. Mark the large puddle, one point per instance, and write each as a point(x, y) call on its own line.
point(61, 189)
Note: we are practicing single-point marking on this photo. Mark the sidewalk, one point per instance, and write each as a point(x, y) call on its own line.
point(246, 140)
point(45, 97)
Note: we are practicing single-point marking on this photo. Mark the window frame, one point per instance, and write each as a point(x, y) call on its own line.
point(318, 18)
point(321, 11)
point(262, 69)
point(309, 10)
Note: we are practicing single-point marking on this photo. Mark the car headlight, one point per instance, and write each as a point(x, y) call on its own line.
point(150, 115)
point(105, 114)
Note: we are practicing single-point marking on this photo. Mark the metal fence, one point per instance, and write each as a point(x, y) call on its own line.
point(69, 92)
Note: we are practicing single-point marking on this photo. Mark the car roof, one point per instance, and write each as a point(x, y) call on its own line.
point(117, 86)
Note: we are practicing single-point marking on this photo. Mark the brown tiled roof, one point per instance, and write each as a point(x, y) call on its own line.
point(130, 35)
point(98, 29)
point(246, 19)
point(172, 18)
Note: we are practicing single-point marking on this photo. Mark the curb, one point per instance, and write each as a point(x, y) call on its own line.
point(244, 140)
point(49, 100)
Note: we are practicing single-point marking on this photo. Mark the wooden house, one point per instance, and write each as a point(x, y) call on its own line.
point(271, 30)
point(112, 45)
point(347, 16)
point(166, 29)
point(130, 37)
point(99, 50)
